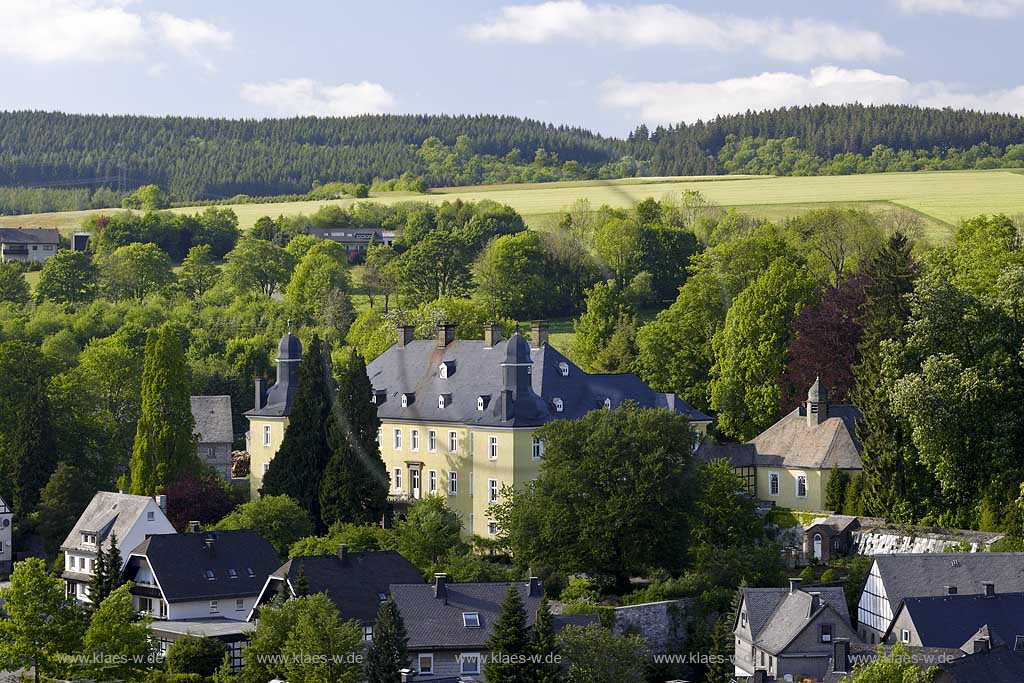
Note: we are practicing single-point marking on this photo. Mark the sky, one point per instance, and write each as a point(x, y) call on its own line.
point(605, 66)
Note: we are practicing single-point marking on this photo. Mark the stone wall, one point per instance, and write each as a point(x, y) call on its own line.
point(663, 624)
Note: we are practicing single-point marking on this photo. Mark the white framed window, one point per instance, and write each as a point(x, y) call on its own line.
point(266, 435)
point(398, 478)
point(492, 490)
point(239, 604)
point(471, 619)
point(414, 439)
point(406, 399)
point(266, 466)
point(432, 441)
point(480, 403)
point(380, 436)
point(469, 663)
point(904, 636)
point(398, 439)
point(826, 633)
point(563, 367)
point(492, 528)
point(453, 483)
point(432, 481)
point(425, 662)
point(773, 483)
point(453, 441)
point(801, 486)
point(442, 370)
point(608, 404)
point(743, 619)
point(492, 448)
point(557, 402)
point(367, 634)
point(538, 448)
point(441, 403)
point(146, 605)
point(214, 608)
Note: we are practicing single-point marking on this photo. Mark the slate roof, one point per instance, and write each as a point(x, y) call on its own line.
point(738, 454)
point(278, 399)
point(437, 624)
point(212, 415)
point(952, 620)
point(1001, 665)
point(180, 562)
point(925, 574)
point(778, 615)
point(353, 585)
point(4, 507)
point(107, 513)
point(29, 236)
point(792, 442)
point(479, 372)
point(863, 653)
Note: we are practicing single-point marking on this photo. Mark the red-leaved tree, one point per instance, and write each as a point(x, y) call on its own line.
point(205, 499)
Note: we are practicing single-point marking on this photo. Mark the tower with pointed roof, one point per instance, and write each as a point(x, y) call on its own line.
point(817, 403)
point(269, 418)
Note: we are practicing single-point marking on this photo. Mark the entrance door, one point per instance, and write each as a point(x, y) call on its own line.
point(414, 479)
point(817, 546)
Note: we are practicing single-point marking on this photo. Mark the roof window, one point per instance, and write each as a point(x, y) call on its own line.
point(471, 619)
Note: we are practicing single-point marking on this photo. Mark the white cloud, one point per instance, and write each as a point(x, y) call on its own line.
point(58, 30)
point(51, 31)
point(674, 101)
point(304, 96)
point(659, 24)
point(991, 9)
point(191, 37)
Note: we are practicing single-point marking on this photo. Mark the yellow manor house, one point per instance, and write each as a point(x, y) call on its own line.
point(458, 416)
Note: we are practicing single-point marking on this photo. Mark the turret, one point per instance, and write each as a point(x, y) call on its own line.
point(817, 403)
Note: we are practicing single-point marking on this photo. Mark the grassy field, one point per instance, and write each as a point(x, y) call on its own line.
point(942, 198)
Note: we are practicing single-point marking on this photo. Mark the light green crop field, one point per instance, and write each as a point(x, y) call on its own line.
point(941, 198)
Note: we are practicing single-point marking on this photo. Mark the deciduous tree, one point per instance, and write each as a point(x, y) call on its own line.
point(279, 519)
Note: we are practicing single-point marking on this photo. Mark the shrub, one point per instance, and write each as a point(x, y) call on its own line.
point(195, 655)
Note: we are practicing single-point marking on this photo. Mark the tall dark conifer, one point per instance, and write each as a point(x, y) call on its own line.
point(545, 667)
point(388, 654)
point(509, 639)
point(885, 437)
point(34, 456)
point(298, 468)
point(355, 483)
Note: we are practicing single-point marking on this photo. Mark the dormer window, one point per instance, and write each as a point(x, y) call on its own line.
point(608, 404)
point(563, 367)
point(481, 402)
point(446, 369)
point(210, 576)
point(232, 574)
point(471, 619)
point(443, 401)
point(407, 398)
point(89, 539)
point(557, 402)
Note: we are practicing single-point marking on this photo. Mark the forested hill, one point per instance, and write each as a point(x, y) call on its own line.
point(824, 131)
point(208, 157)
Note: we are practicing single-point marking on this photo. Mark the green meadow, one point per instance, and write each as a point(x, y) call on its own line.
point(941, 198)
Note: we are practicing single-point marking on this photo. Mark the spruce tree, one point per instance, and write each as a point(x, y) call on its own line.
point(114, 563)
point(544, 648)
point(835, 489)
point(510, 638)
point(32, 451)
point(388, 654)
point(99, 587)
point(301, 582)
point(884, 436)
point(355, 483)
point(164, 451)
point(298, 468)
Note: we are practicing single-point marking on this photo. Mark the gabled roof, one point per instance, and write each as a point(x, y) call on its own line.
point(479, 371)
point(29, 236)
point(180, 563)
point(952, 620)
point(212, 415)
point(778, 615)
point(926, 574)
point(792, 442)
point(108, 513)
point(5, 509)
point(354, 584)
point(1001, 665)
point(738, 454)
point(436, 623)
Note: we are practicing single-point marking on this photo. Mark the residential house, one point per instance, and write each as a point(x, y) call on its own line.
point(458, 417)
point(6, 540)
point(950, 620)
point(132, 519)
point(28, 245)
point(830, 537)
point(987, 659)
point(449, 623)
point(847, 655)
point(356, 582)
point(355, 240)
point(214, 433)
point(200, 583)
point(789, 631)
point(269, 419)
point(895, 578)
point(791, 461)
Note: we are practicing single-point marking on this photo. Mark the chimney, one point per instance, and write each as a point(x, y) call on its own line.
point(538, 334)
point(980, 645)
point(492, 335)
point(161, 502)
point(841, 656)
point(990, 589)
point(1018, 644)
point(208, 543)
point(441, 586)
point(261, 393)
point(406, 333)
point(445, 334)
point(406, 674)
point(950, 590)
point(536, 587)
point(794, 585)
point(343, 553)
point(193, 527)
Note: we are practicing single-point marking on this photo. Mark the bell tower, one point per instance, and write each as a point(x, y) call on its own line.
point(817, 403)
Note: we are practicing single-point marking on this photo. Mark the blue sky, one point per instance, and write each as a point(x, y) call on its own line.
point(607, 66)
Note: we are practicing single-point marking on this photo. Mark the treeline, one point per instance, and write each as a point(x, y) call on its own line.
point(18, 200)
point(824, 131)
point(196, 158)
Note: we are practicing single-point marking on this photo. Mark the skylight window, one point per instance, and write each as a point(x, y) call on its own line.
point(232, 574)
point(210, 576)
point(471, 619)
point(250, 572)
